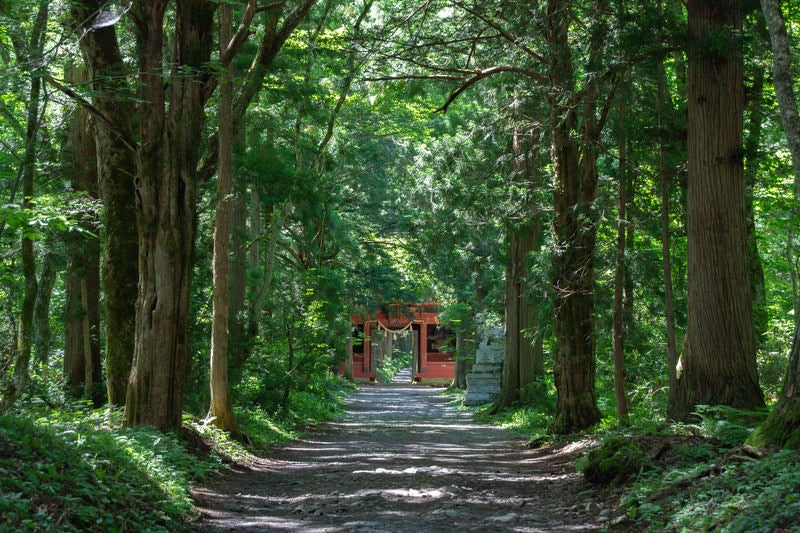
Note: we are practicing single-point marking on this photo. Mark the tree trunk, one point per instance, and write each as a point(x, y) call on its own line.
point(42, 334)
point(719, 364)
point(574, 231)
point(523, 360)
point(618, 325)
point(83, 263)
point(782, 427)
point(166, 205)
point(220, 410)
point(22, 356)
point(239, 342)
point(116, 166)
point(783, 80)
point(460, 375)
point(664, 178)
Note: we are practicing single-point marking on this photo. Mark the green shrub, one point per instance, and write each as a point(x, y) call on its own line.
point(73, 471)
point(390, 366)
point(618, 458)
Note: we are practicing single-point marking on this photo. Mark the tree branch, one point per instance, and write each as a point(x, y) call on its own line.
point(81, 101)
point(491, 71)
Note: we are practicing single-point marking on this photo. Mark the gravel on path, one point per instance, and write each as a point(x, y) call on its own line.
point(403, 460)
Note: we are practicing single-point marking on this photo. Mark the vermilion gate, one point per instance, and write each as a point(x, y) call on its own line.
point(409, 327)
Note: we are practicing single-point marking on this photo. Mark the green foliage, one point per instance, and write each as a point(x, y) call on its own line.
point(76, 471)
point(729, 426)
point(322, 400)
point(390, 366)
point(531, 419)
point(738, 496)
point(615, 460)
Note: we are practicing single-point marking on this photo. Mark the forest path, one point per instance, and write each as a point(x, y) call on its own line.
point(403, 460)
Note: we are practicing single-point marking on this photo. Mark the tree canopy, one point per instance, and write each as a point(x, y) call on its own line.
point(258, 173)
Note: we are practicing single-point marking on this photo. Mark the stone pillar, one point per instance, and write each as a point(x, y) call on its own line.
point(485, 379)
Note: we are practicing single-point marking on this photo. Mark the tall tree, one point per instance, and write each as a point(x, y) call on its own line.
point(170, 137)
point(524, 360)
point(782, 427)
point(719, 364)
point(170, 140)
point(618, 325)
point(31, 53)
point(82, 279)
point(220, 410)
point(575, 131)
point(112, 106)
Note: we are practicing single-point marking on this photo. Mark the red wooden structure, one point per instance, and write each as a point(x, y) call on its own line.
point(412, 328)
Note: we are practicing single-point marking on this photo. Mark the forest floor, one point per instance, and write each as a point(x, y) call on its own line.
point(403, 459)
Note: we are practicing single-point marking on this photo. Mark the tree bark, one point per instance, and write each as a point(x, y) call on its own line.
point(719, 363)
point(782, 427)
point(170, 141)
point(574, 228)
point(523, 361)
point(116, 167)
point(239, 342)
point(220, 411)
point(783, 81)
point(83, 262)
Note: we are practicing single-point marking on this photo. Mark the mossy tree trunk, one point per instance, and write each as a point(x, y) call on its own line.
point(116, 165)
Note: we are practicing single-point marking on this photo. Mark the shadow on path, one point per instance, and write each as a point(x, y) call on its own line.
point(401, 460)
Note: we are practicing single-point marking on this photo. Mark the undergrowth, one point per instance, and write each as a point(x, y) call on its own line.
point(697, 477)
point(77, 469)
point(661, 476)
point(390, 366)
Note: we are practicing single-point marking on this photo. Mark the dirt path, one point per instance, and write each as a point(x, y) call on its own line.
point(403, 460)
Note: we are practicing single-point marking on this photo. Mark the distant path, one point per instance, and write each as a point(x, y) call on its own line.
point(402, 460)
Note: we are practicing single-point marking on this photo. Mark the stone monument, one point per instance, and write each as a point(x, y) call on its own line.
point(483, 382)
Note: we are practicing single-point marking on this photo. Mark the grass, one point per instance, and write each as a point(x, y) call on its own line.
point(77, 469)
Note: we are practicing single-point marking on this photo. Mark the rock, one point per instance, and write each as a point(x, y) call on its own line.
point(504, 518)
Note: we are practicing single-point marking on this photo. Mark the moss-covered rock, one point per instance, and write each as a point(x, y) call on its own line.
point(614, 461)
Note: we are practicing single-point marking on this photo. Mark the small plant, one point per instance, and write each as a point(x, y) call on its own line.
point(75, 470)
point(618, 458)
point(390, 366)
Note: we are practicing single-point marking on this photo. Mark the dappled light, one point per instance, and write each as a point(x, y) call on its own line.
point(401, 454)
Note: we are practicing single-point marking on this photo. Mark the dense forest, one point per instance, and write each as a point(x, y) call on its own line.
point(198, 195)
